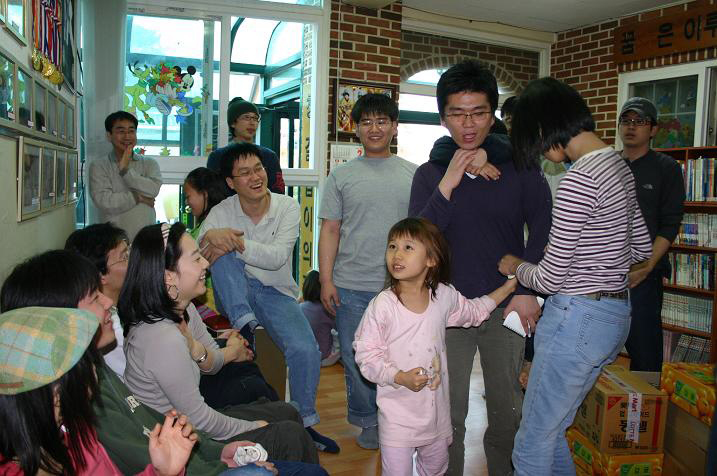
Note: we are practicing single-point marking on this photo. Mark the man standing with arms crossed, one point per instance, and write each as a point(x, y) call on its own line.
point(123, 185)
point(660, 193)
point(482, 220)
point(362, 199)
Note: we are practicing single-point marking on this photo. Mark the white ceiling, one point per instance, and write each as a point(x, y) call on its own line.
point(543, 15)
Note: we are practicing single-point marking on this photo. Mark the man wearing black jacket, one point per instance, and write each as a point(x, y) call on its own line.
point(660, 193)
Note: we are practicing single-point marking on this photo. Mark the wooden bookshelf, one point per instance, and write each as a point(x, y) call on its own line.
point(707, 207)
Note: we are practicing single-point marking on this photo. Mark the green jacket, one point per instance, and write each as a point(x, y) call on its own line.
point(123, 426)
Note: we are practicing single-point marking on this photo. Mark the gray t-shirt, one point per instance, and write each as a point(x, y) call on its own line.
point(368, 196)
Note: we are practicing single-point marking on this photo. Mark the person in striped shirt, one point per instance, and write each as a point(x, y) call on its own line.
point(597, 234)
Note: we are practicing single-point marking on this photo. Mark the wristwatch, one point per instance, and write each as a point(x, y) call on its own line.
point(203, 357)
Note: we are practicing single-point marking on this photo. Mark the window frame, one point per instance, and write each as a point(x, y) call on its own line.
point(700, 68)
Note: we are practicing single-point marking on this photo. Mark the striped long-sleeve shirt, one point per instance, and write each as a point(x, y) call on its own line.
point(598, 231)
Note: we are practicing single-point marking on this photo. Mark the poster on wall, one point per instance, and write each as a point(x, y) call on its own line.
point(346, 93)
point(47, 193)
point(28, 175)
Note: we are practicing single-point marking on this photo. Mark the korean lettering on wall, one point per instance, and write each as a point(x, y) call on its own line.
point(691, 30)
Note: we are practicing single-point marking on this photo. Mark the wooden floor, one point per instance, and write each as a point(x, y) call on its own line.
point(355, 461)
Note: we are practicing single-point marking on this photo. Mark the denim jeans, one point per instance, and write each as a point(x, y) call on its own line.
point(230, 290)
point(285, 468)
point(360, 393)
point(575, 339)
point(283, 319)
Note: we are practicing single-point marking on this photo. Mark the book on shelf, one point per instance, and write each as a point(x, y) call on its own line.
point(694, 270)
point(669, 342)
point(691, 349)
point(699, 175)
point(698, 229)
point(690, 312)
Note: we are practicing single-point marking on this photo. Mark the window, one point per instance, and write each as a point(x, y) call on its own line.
point(685, 99)
point(676, 103)
point(164, 83)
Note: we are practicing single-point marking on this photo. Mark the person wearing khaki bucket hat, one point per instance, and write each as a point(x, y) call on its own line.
point(48, 382)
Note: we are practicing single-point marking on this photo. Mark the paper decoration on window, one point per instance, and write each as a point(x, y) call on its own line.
point(165, 87)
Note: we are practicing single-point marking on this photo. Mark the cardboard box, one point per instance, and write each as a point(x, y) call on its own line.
point(690, 387)
point(686, 439)
point(589, 461)
point(623, 414)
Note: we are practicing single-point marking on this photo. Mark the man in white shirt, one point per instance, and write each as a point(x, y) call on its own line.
point(249, 240)
point(123, 185)
point(107, 247)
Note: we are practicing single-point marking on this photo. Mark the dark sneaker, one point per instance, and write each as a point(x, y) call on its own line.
point(323, 443)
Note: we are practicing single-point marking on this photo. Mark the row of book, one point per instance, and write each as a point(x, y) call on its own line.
point(687, 311)
point(699, 177)
point(695, 270)
point(690, 349)
point(698, 229)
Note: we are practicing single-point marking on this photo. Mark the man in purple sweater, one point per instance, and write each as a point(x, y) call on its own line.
point(482, 220)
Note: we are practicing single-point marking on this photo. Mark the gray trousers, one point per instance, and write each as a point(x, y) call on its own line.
point(501, 354)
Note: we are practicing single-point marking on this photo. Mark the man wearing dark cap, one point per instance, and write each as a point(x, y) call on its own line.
point(243, 118)
point(660, 193)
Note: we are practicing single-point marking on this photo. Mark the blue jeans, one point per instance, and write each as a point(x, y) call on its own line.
point(575, 339)
point(283, 319)
point(285, 468)
point(360, 393)
point(230, 290)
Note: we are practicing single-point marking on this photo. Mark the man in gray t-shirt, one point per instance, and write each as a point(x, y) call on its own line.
point(361, 200)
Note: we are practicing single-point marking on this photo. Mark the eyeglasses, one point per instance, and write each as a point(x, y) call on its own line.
point(460, 117)
point(250, 118)
point(124, 257)
point(381, 122)
point(246, 173)
point(635, 122)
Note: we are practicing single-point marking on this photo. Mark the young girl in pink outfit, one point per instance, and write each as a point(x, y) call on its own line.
point(400, 345)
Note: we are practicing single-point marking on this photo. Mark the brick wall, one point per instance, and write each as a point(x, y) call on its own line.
point(512, 68)
point(365, 45)
point(583, 59)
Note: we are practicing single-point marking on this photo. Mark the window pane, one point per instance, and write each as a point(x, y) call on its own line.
point(166, 205)
point(676, 103)
point(165, 80)
point(285, 76)
point(251, 40)
point(416, 102)
point(429, 76)
point(416, 140)
point(285, 42)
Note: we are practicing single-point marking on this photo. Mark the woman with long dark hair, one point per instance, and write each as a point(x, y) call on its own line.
point(168, 348)
point(49, 383)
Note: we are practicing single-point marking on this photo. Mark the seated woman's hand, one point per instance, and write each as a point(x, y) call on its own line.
point(239, 347)
point(171, 444)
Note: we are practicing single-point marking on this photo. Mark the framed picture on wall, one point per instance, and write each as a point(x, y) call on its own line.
point(7, 89)
point(25, 90)
point(51, 118)
point(346, 93)
point(70, 127)
point(72, 178)
point(16, 19)
point(61, 177)
point(28, 178)
point(3, 11)
point(47, 176)
point(61, 107)
point(40, 108)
